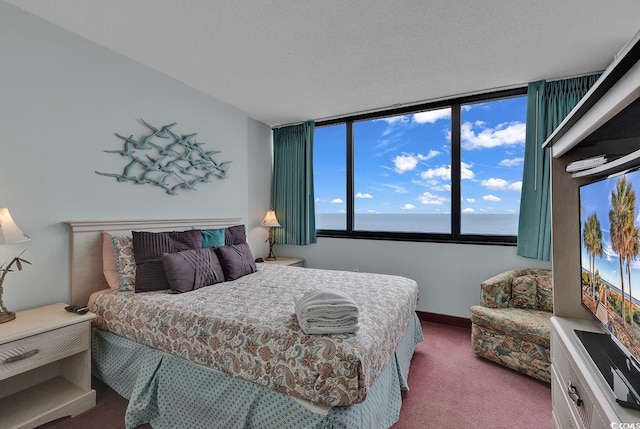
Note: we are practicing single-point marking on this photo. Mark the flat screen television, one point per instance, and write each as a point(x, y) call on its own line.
point(610, 279)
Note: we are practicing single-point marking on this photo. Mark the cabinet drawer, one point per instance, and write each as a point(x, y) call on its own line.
point(30, 352)
point(562, 406)
point(565, 374)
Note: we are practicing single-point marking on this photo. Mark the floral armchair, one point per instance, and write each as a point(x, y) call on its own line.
point(511, 325)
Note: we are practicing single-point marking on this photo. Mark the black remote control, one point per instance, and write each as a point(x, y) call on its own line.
point(78, 309)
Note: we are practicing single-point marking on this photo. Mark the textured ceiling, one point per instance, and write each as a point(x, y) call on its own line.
point(285, 61)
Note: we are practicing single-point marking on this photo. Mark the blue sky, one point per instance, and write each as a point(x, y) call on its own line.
point(403, 163)
point(596, 198)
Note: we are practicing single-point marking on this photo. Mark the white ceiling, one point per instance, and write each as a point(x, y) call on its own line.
point(286, 61)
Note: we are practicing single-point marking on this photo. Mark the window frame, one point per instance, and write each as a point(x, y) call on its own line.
point(455, 104)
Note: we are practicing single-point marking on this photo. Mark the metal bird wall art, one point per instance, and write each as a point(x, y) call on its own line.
point(168, 160)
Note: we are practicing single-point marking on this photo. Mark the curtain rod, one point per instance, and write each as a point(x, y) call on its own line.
point(432, 100)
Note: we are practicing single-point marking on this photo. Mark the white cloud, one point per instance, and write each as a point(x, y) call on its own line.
point(491, 198)
point(432, 154)
point(408, 207)
point(365, 196)
point(408, 161)
point(444, 172)
point(336, 201)
point(505, 134)
point(440, 187)
point(497, 184)
point(432, 116)
point(470, 200)
point(404, 163)
point(515, 186)
point(429, 198)
point(466, 172)
point(468, 210)
point(513, 162)
point(493, 183)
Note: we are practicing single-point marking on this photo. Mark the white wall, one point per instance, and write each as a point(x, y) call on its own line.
point(449, 275)
point(259, 185)
point(62, 98)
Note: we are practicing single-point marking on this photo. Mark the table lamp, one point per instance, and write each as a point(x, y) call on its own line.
point(9, 234)
point(271, 221)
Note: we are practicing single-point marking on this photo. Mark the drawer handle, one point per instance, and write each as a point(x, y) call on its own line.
point(21, 356)
point(573, 394)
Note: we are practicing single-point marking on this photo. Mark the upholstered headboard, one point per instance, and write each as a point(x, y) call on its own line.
point(86, 247)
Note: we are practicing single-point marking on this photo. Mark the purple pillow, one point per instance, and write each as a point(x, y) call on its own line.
point(148, 248)
point(236, 260)
point(235, 235)
point(192, 269)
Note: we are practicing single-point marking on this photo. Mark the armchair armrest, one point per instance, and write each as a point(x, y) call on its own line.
point(495, 292)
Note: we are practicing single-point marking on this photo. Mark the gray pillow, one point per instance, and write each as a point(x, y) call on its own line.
point(236, 260)
point(148, 248)
point(192, 269)
point(235, 235)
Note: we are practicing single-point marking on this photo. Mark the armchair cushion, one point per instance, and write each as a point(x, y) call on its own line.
point(525, 324)
point(523, 288)
point(524, 292)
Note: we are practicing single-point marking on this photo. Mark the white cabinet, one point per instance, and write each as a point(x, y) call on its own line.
point(605, 122)
point(581, 397)
point(45, 366)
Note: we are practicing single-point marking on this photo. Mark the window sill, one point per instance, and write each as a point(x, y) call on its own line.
point(491, 240)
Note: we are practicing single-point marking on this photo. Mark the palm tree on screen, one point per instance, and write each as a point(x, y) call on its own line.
point(621, 218)
point(631, 253)
point(592, 238)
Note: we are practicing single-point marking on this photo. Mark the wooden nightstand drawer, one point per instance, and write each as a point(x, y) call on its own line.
point(24, 354)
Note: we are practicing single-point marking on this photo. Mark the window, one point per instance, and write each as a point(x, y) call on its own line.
point(449, 171)
point(492, 157)
point(330, 177)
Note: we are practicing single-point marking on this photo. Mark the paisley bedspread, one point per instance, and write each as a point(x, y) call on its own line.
point(247, 328)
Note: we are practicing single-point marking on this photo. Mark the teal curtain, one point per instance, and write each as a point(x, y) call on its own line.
point(292, 196)
point(548, 103)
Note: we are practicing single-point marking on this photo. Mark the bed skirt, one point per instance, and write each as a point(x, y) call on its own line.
point(170, 392)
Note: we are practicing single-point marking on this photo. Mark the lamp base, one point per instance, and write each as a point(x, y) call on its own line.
point(7, 316)
point(270, 258)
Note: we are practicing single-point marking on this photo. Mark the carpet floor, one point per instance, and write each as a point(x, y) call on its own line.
point(450, 387)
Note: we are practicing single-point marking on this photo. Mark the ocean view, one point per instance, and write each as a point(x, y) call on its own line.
point(486, 224)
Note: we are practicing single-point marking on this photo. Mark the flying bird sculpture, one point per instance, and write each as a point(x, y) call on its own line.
point(180, 163)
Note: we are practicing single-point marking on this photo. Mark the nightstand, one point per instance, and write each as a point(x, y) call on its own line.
point(282, 260)
point(45, 366)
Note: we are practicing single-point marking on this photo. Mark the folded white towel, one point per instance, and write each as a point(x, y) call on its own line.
point(326, 311)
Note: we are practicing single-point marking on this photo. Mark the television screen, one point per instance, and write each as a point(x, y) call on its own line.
point(610, 257)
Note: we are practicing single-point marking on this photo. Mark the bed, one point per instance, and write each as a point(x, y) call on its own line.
point(233, 354)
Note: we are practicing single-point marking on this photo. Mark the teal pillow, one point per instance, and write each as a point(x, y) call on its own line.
point(212, 237)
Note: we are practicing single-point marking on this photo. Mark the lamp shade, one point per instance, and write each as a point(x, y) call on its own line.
point(9, 231)
point(270, 219)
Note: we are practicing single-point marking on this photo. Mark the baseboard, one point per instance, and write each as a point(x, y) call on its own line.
point(445, 319)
